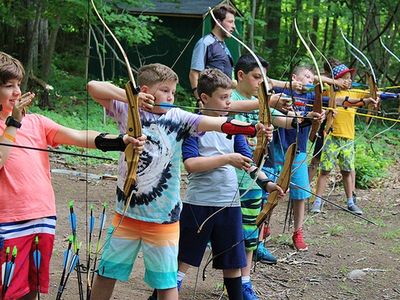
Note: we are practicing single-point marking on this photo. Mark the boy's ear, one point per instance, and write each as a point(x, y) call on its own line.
point(294, 76)
point(240, 75)
point(204, 98)
point(144, 89)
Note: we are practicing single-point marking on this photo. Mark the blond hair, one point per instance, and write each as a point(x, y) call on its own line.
point(155, 73)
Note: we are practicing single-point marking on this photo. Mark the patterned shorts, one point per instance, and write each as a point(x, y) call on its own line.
point(340, 150)
point(158, 242)
point(251, 207)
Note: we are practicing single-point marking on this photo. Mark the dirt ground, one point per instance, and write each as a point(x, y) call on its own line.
point(347, 258)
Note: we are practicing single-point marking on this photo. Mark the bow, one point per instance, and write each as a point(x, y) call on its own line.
point(264, 115)
point(134, 127)
point(283, 182)
point(371, 78)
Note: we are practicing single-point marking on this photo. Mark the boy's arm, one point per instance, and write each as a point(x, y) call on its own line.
point(195, 163)
point(87, 139)
point(104, 92)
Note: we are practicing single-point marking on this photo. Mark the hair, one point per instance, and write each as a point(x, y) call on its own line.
point(331, 63)
point(212, 79)
point(220, 13)
point(155, 73)
point(248, 63)
point(298, 69)
point(10, 68)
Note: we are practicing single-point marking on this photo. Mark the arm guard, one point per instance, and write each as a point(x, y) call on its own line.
point(233, 127)
point(109, 144)
point(262, 183)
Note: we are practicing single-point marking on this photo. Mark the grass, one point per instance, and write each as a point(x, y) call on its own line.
point(392, 234)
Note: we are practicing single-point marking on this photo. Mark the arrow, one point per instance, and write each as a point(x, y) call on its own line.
point(37, 257)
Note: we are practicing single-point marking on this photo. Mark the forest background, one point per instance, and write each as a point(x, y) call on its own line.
point(53, 40)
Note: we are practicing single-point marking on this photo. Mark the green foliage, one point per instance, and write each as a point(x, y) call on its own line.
point(392, 234)
point(335, 230)
point(374, 156)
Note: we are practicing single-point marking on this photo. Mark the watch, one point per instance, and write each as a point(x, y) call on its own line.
point(12, 122)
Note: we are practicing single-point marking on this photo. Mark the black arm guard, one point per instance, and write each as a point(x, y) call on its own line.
point(262, 183)
point(112, 144)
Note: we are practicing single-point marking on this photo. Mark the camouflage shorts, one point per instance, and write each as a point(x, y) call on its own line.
point(340, 150)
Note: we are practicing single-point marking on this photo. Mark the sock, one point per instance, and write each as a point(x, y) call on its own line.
point(245, 279)
point(318, 200)
point(350, 201)
point(234, 288)
point(181, 275)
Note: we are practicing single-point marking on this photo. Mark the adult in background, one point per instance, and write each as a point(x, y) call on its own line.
point(211, 51)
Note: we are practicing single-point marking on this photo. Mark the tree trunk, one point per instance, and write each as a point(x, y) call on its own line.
point(273, 25)
point(47, 59)
point(315, 22)
point(33, 42)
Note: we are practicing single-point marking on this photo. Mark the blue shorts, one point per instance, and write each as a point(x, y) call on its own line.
point(299, 174)
point(223, 230)
point(159, 244)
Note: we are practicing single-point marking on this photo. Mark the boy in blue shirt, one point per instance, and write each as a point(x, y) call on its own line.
point(211, 207)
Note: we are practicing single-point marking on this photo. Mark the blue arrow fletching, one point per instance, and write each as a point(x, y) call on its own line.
point(72, 219)
point(37, 257)
point(12, 268)
point(67, 257)
point(166, 105)
point(103, 218)
point(91, 224)
point(73, 263)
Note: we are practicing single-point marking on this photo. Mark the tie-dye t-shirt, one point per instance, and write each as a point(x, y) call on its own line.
point(156, 195)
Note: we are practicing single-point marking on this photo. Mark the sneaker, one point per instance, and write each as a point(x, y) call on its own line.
point(298, 241)
point(248, 292)
point(263, 255)
point(317, 206)
point(355, 209)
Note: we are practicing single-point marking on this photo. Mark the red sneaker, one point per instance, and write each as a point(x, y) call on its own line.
point(298, 241)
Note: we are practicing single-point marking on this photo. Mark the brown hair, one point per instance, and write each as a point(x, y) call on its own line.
point(220, 13)
point(10, 68)
point(155, 73)
point(212, 79)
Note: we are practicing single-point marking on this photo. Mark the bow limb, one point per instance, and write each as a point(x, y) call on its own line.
point(388, 50)
point(260, 152)
point(283, 181)
point(317, 106)
point(371, 78)
point(329, 113)
point(134, 127)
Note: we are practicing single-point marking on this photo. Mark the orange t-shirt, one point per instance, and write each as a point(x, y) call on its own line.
point(25, 183)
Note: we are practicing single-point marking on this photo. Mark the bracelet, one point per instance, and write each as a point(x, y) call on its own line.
point(9, 137)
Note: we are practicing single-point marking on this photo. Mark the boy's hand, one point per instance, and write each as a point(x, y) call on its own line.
point(371, 101)
point(272, 186)
point(343, 84)
point(267, 131)
point(297, 85)
point(138, 143)
point(146, 101)
point(281, 101)
point(20, 106)
point(317, 116)
point(239, 161)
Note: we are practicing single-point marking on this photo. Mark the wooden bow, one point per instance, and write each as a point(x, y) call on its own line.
point(317, 107)
point(264, 115)
point(283, 182)
point(329, 113)
point(373, 93)
point(134, 127)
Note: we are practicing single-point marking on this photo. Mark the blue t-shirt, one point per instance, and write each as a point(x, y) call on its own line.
point(209, 52)
point(156, 194)
point(217, 187)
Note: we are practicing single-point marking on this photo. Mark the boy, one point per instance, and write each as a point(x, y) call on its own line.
point(27, 206)
point(285, 137)
point(339, 144)
point(151, 221)
point(212, 199)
